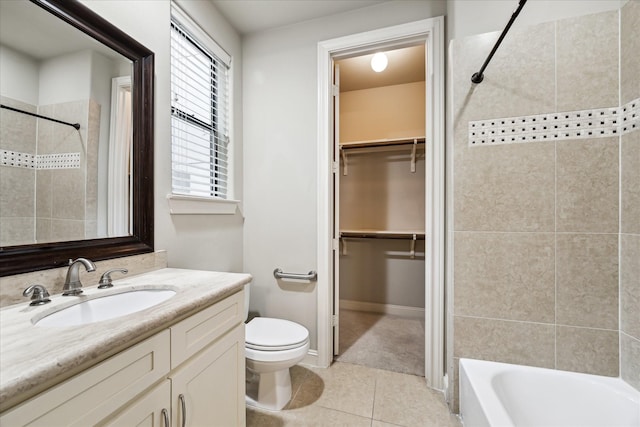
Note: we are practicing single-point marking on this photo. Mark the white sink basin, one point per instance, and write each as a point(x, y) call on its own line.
point(106, 307)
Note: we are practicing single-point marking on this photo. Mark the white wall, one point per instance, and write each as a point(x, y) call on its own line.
point(469, 17)
point(18, 76)
point(103, 69)
point(280, 115)
point(199, 242)
point(65, 78)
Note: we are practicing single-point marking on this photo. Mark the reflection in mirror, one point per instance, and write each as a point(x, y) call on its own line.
point(88, 216)
point(54, 178)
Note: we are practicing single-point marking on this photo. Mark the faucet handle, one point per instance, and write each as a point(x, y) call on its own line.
point(105, 280)
point(40, 294)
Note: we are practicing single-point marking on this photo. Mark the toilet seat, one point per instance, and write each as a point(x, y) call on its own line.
point(268, 334)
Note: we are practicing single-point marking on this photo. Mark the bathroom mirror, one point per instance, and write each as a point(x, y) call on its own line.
point(125, 68)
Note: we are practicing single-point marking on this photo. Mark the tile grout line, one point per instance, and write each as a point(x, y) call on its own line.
point(555, 205)
point(373, 404)
point(613, 233)
point(620, 196)
point(529, 322)
point(304, 380)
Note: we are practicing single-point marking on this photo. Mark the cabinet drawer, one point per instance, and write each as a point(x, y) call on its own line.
point(90, 396)
point(196, 332)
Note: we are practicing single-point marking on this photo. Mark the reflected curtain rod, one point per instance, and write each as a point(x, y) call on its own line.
point(74, 125)
point(478, 77)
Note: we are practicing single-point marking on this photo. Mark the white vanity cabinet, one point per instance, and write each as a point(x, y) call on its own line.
point(150, 410)
point(209, 389)
point(194, 370)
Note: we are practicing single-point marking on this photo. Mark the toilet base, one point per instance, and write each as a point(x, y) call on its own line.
point(273, 391)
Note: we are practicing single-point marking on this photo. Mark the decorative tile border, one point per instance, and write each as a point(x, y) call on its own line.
point(631, 116)
point(17, 159)
point(58, 161)
point(41, 161)
point(596, 123)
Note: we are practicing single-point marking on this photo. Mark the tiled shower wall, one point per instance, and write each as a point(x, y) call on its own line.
point(17, 133)
point(45, 203)
point(630, 200)
point(66, 198)
point(537, 226)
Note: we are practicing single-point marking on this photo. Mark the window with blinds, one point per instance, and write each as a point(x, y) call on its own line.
point(199, 116)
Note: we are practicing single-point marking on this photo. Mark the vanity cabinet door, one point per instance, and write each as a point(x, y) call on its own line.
point(146, 411)
point(209, 389)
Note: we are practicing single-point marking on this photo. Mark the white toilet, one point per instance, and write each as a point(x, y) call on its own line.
point(272, 346)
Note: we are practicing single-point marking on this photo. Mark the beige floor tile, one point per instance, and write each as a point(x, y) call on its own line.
point(406, 400)
point(259, 418)
point(352, 395)
point(307, 416)
point(310, 393)
point(343, 387)
point(376, 423)
point(320, 416)
point(299, 375)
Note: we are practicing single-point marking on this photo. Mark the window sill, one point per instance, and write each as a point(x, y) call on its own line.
point(192, 205)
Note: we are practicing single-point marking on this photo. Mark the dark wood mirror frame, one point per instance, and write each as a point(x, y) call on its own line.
point(26, 258)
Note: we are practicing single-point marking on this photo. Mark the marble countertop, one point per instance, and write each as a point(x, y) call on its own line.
point(33, 358)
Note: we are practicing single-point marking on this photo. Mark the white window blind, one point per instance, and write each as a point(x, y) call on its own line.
point(199, 116)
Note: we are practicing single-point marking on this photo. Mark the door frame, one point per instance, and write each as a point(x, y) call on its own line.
point(431, 32)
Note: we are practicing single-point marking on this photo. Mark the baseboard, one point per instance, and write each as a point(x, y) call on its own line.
point(311, 359)
point(396, 310)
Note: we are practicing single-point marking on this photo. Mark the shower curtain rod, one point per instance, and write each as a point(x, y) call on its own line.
point(75, 125)
point(478, 77)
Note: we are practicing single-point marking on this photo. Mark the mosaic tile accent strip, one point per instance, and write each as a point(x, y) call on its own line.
point(17, 159)
point(631, 116)
point(596, 123)
point(58, 161)
point(43, 161)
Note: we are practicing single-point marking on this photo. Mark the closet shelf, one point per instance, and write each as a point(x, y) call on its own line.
point(412, 236)
point(383, 234)
point(382, 142)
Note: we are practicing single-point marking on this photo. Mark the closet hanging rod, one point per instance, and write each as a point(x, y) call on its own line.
point(74, 125)
point(478, 77)
point(382, 143)
point(382, 235)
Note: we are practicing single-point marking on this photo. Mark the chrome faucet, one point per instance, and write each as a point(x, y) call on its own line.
point(72, 284)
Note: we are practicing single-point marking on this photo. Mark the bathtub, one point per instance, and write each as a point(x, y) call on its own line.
point(500, 395)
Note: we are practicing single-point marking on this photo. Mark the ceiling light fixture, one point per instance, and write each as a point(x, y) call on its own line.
point(379, 62)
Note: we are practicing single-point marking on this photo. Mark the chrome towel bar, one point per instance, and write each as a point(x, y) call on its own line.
point(279, 274)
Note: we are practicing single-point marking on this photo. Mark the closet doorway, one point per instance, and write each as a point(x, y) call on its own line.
point(379, 209)
point(381, 204)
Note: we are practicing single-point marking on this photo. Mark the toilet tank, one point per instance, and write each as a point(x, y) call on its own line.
point(246, 301)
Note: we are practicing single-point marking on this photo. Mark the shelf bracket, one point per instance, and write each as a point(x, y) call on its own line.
point(344, 162)
point(413, 155)
point(412, 252)
point(344, 246)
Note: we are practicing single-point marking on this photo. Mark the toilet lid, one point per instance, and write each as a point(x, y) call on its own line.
point(264, 333)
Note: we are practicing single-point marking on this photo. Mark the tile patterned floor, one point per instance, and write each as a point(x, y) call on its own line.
point(354, 395)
